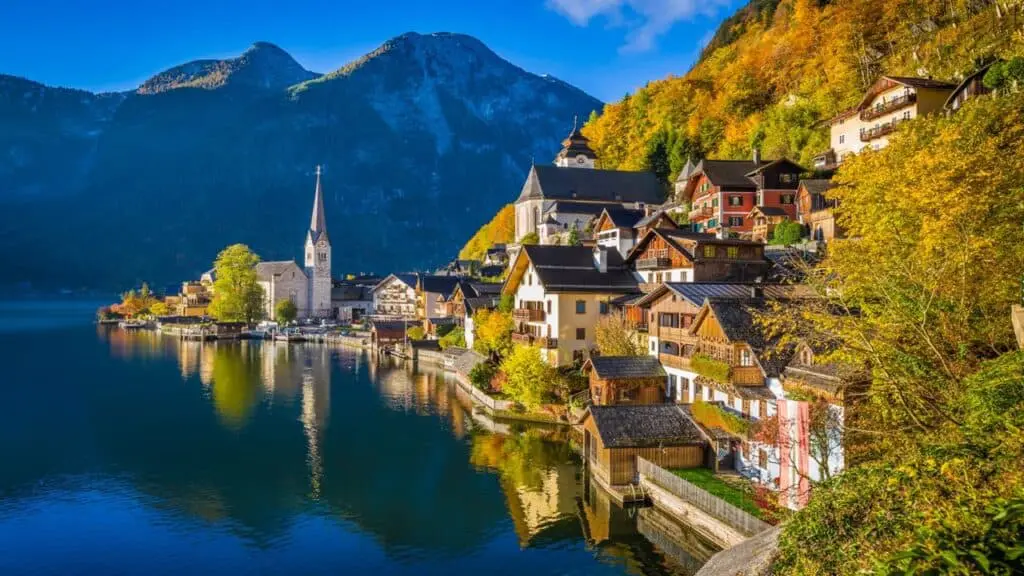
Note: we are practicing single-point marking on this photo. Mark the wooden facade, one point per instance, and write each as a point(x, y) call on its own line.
point(706, 258)
point(618, 466)
point(617, 391)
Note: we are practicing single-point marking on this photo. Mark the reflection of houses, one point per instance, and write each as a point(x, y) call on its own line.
point(395, 296)
point(560, 293)
point(545, 512)
point(625, 380)
point(614, 436)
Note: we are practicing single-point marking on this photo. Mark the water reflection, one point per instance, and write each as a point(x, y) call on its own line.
point(273, 446)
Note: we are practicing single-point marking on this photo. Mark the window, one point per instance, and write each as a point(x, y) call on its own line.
point(698, 391)
point(549, 306)
point(745, 358)
point(709, 251)
point(668, 320)
point(787, 198)
point(805, 357)
point(732, 252)
point(735, 200)
point(906, 115)
point(581, 333)
point(529, 279)
point(787, 178)
point(714, 202)
point(581, 306)
point(762, 459)
point(652, 345)
point(842, 138)
point(627, 395)
point(735, 221)
point(603, 308)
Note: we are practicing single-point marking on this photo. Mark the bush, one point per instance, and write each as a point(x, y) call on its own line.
point(416, 333)
point(787, 232)
point(530, 239)
point(529, 379)
point(712, 416)
point(482, 374)
point(710, 368)
point(454, 337)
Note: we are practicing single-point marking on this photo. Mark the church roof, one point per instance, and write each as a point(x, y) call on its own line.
point(558, 183)
point(265, 271)
point(576, 144)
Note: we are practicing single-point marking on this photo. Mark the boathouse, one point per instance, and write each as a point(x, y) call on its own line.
point(625, 380)
point(614, 436)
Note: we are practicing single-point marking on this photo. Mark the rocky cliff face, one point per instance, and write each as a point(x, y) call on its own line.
point(422, 140)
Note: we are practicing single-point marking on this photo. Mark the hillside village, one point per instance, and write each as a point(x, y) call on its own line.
point(643, 319)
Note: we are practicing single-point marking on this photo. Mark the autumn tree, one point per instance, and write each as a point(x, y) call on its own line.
point(528, 378)
point(285, 311)
point(617, 336)
point(493, 332)
point(237, 295)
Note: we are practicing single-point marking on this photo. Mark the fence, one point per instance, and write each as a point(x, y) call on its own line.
point(720, 509)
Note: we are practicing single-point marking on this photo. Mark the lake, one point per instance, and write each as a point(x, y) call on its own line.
point(136, 453)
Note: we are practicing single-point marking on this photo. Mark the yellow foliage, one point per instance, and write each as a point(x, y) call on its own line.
point(500, 230)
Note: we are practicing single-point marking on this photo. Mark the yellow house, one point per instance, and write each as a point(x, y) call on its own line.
point(560, 293)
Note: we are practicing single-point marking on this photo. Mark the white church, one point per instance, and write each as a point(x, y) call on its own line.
point(308, 287)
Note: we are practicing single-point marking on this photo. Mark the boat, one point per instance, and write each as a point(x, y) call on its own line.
point(132, 325)
point(289, 336)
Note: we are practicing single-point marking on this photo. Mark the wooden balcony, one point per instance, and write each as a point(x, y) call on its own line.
point(523, 338)
point(653, 263)
point(888, 107)
point(878, 131)
point(673, 361)
point(548, 343)
point(677, 335)
point(528, 315)
point(701, 213)
point(747, 376)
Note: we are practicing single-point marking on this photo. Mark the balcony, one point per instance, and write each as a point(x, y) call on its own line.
point(887, 107)
point(523, 338)
point(653, 263)
point(548, 343)
point(878, 131)
point(673, 361)
point(528, 315)
point(701, 213)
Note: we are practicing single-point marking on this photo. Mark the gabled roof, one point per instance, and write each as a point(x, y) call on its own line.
point(697, 292)
point(816, 185)
point(443, 285)
point(646, 221)
point(780, 162)
point(769, 210)
point(570, 207)
point(481, 303)
point(728, 173)
point(555, 182)
point(644, 426)
point(265, 271)
point(737, 319)
point(571, 269)
point(623, 217)
point(622, 367)
point(485, 288)
point(886, 82)
point(407, 279)
point(679, 239)
point(979, 72)
point(351, 292)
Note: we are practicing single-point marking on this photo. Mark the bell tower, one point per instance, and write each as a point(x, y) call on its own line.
point(318, 257)
point(576, 151)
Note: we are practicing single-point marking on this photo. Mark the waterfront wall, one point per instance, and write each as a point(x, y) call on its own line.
point(718, 520)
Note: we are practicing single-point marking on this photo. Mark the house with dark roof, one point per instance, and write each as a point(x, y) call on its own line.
point(560, 293)
point(352, 301)
point(574, 192)
point(619, 228)
point(886, 103)
point(395, 297)
point(677, 255)
point(971, 87)
point(625, 380)
point(722, 193)
point(432, 293)
point(764, 219)
point(614, 436)
point(815, 209)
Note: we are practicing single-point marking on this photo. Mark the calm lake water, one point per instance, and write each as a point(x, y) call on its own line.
point(132, 453)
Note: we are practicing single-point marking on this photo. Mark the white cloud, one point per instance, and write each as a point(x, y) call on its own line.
point(645, 20)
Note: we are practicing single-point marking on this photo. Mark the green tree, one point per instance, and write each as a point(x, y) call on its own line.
point(787, 232)
point(530, 239)
point(237, 295)
point(455, 337)
point(574, 238)
point(285, 311)
point(506, 303)
point(493, 332)
point(656, 157)
point(482, 374)
point(528, 377)
point(159, 308)
point(416, 333)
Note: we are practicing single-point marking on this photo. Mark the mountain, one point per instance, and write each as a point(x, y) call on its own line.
point(421, 140)
point(776, 68)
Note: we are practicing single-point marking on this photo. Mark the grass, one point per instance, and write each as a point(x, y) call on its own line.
point(706, 480)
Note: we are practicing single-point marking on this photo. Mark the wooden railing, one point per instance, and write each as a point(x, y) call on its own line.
point(653, 262)
point(887, 107)
point(528, 315)
point(523, 338)
point(700, 213)
point(678, 335)
point(870, 134)
point(740, 520)
point(673, 361)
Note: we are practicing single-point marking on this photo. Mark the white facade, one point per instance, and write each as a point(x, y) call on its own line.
point(283, 281)
point(578, 161)
point(394, 298)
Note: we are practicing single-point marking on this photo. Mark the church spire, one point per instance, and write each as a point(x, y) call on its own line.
point(318, 224)
point(576, 151)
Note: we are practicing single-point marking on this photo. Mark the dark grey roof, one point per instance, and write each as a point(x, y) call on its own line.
point(627, 367)
point(816, 185)
point(351, 292)
point(570, 207)
point(318, 223)
point(484, 288)
point(443, 285)
point(647, 220)
point(266, 270)
point(572, 269)
point(765, 165)
point(496, 248)
point(554, 182)
point(967, 80)
point(481, 303)
point(407, 279)
point(624, 217)
point(729, 173)
point(644, 426)
point(737, 319)
point(771, 210)
point(819, 377)
point(921, 82)
point(491, 271)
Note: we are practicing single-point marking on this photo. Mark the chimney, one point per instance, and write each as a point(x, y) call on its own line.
point(601, 259)
point(756, 291)
point(757, 155)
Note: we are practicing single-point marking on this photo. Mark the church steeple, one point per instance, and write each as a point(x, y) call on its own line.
point(318, 223)
point(576, 151)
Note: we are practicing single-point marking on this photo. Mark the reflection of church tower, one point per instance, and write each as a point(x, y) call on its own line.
point(316, 406)
point(318, 257)
point(576, 151)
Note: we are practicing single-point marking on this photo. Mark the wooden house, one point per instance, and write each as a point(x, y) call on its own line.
point(623, 380)
point(764, 220)
point(389, 332)
point(674, 255)
point(815, 209)
point(614, 436)
point(971, 87)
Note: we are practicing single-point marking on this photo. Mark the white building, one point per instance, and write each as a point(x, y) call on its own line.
point(395, 297)
point(308, 288)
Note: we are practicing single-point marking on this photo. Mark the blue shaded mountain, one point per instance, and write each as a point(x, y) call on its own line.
point(422, 140)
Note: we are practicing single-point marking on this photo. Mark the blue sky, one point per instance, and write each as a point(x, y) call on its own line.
point(606, 47)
